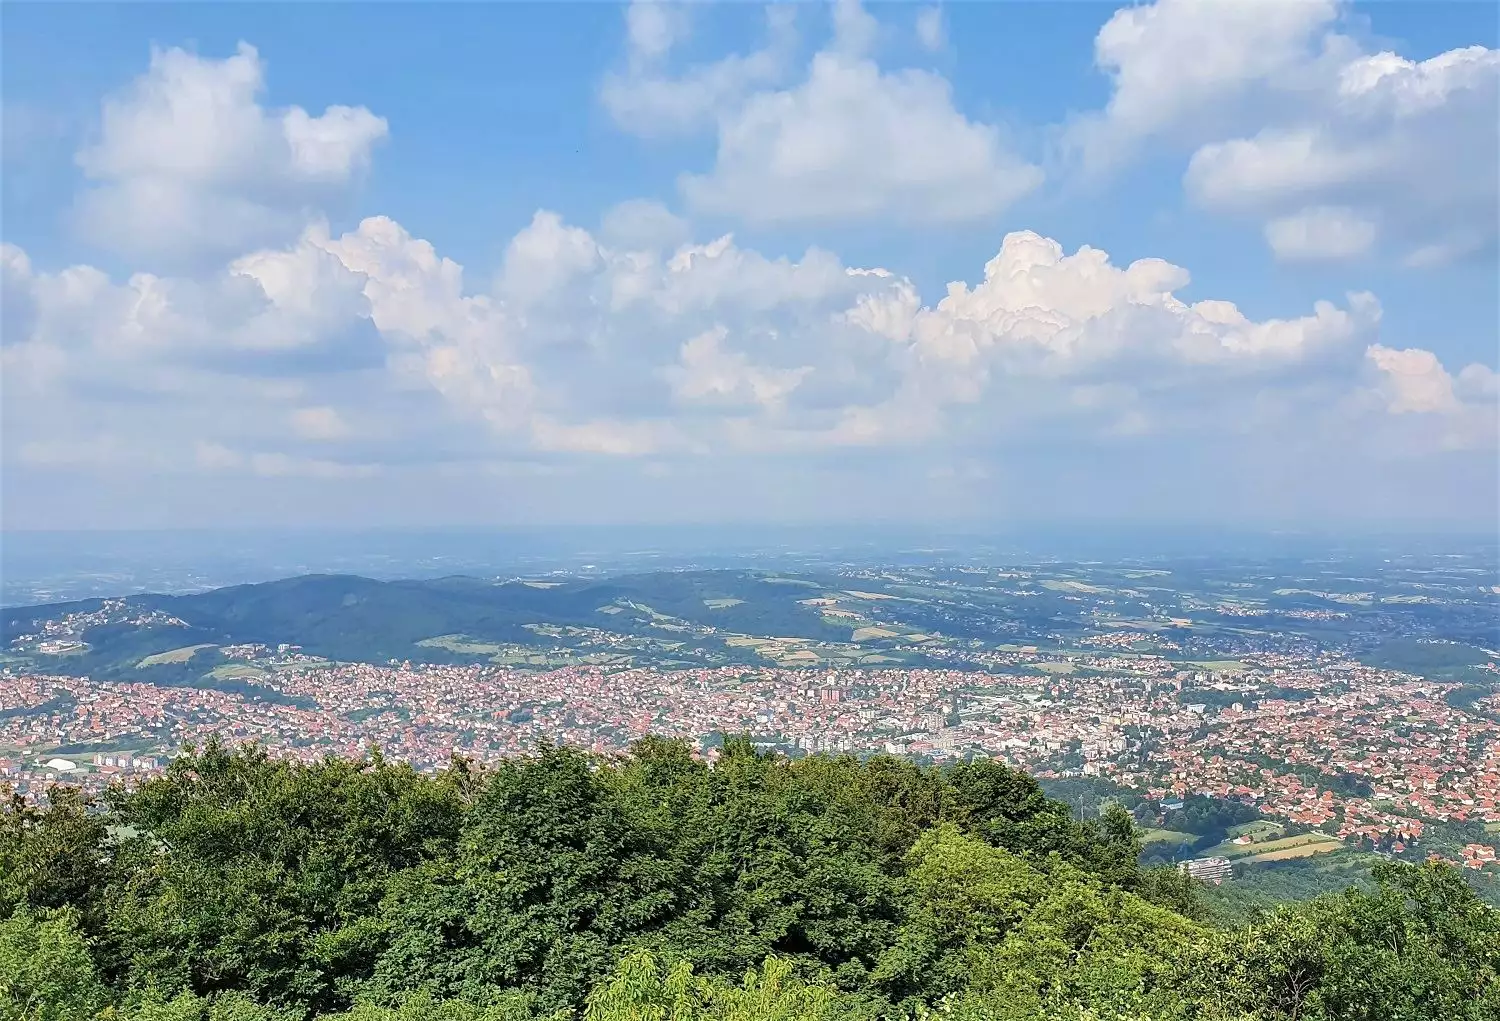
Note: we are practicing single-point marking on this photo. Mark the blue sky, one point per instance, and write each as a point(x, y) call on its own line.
point(227, 299)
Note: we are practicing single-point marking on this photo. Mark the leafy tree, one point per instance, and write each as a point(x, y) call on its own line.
point(644, 989)
point(1422, 946)
point(52, 858)
point(264, 876)
point(46, 972)
point(562, 886)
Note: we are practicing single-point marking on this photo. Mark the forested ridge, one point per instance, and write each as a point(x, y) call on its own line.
point(657, 887)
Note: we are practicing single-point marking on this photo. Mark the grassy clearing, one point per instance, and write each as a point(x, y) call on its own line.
point(861, 634)
point(1055, 668)
point(181, 655)
point(237, 672)
point(1063, 585)
point(1166, 837)
point(721, 604)
point(1229, 849)
point(1305, 851)
point(1228, 666)
point(1492, 827)
point(461, 644)
point(1259, 830)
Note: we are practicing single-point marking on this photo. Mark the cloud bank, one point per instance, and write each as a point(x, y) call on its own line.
point(257, 345)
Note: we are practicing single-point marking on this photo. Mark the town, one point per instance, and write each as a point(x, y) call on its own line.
point(1359, 755)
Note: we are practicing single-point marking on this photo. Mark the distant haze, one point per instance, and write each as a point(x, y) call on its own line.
point(48, 566)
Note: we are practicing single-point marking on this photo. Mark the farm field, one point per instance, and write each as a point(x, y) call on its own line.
point(1304, 850)
point(1167, 837)
point(1258, 830)
point(1229, 849)
point(181, 655)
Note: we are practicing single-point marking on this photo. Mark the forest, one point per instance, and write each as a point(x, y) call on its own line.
point(655, 886)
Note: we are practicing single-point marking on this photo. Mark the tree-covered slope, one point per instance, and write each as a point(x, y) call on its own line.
point(343, 617)
point(660, 887)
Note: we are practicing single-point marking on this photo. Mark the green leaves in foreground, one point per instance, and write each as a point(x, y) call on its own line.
point(655, 887)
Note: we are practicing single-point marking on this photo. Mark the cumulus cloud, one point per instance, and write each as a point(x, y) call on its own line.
point(189, 164)
point(855, 142)
point(1320, 232)
point(1416, 380)
point(647, 99)
point(706, 351)
point(843, 140)
point(707, 372)
point(1334, 149)
point(1459, 412)
point(1183, 66)
point(702, 348)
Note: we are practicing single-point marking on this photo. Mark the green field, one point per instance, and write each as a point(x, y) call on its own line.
point(460, 644)
point(1259, 851)
point(1167, 837)
point(237, 672)
point(1302, 850)
point(1259, 830)
point(181, 655)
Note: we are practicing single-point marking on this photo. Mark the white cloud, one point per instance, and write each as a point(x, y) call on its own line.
point(276, 465)
point(1183, 65)
point(855, 30)
point(188, 163)
point(1478, 383)
point(320, 423)
point(708, 373)
point(855, 142)
point(1332, 148)
point(653, 28)
point(648, 100)
point(641, 224)
point(932, 34)
point(1459, 412)
point(1320, 232)
point(1040, 309)
point(847, 141)
point(544, 256)
point(704, 358)
point(609, 438)
point(711, 347)
point(1417, 381)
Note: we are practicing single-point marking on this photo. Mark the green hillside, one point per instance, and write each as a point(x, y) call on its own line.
point(361, 620)
point(658, 888)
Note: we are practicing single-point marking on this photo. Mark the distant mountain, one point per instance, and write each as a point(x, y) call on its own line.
point(177, 638)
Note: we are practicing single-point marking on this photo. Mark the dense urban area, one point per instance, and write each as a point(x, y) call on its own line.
point(1325, 745)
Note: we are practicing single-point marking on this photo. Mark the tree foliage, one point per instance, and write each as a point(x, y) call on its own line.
point(657, 887)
